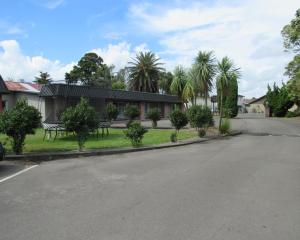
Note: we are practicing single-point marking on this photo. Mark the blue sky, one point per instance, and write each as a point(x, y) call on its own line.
point(52, 35)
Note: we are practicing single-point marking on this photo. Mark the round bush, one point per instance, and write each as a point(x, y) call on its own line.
point(111, 112)
point(178, 119)
point(135, 133)
point(81, 119)
point(131, 112)
point(200, 116)
point(19, 121)
point(154, 115)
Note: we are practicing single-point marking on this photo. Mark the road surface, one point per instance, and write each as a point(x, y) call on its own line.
point(241, 188)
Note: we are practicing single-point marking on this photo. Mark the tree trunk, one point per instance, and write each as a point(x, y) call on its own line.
point(205, 95)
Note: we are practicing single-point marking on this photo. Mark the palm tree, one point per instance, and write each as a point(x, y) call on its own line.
point(206, 70)
point(179, 82)
point(226, 73)
point(144, 72)
point(189, 92)
point(43, 78)
point(164, 82)
point(191, 88)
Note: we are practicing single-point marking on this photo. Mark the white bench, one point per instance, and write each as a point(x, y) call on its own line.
point(53, 127)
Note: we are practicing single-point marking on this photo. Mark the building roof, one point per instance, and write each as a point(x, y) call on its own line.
point(23, 87)
point(3, 88)
point(65, 90)
point(257, 99)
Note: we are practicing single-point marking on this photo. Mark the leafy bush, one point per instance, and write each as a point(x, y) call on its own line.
point(200, 116)
point(296, 113)
point(19, 121)
point(178, 119)
point(154, 115)
point(131, 112)
point(135, 133)
point(173, 137)
point(111, 112)
point(225, 126)
point(81, 119)
point(278, 99)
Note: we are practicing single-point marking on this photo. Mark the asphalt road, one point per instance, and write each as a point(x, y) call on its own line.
point(245, 187)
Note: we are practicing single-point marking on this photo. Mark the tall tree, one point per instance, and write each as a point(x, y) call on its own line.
point(120, 79)
point(226, 73)
point(165, 81)
point(291, 36)
point(279, 100)
point(293, 87)
point(231, 99)
point(43, 78)
point(179, 82)
point(291, 33)
point(144, 72)
point(205, 63)
point(91, 71)
point(191, 88)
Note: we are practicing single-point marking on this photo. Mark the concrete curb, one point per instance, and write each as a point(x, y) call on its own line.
point(40, 157)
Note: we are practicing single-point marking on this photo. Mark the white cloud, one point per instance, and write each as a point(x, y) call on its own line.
point(14, 64)
point(11, 29)
point(119, 54)
point(248, 32)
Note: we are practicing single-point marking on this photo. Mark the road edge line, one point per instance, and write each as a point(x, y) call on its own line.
point(17, 173)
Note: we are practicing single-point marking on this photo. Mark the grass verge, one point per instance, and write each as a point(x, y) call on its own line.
point(116, 139)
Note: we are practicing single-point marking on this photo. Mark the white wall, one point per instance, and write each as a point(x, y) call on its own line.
point(201, 101)
point(32, 100)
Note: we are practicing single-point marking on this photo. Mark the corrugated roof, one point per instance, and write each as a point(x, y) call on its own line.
point(64, 90)
point(23, 87)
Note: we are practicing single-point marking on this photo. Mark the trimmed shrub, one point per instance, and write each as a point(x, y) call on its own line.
point(81, 119)
point(178, 119)
point(225, 126)
point(135, 133)
point(19, 121)
point(111, 112)
point(131, 112)
point(154, 115)
point(200, 116)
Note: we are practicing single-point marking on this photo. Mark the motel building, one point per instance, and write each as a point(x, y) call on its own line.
point(52, 99)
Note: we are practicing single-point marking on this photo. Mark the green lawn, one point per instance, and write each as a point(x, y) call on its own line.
point(116, 139)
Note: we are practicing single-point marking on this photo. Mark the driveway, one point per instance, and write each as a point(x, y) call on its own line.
point(246, 187)
point(257, 124)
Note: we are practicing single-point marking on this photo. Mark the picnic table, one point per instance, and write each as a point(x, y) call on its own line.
point(103, 125)
point(53, 127)
point(58, 128)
